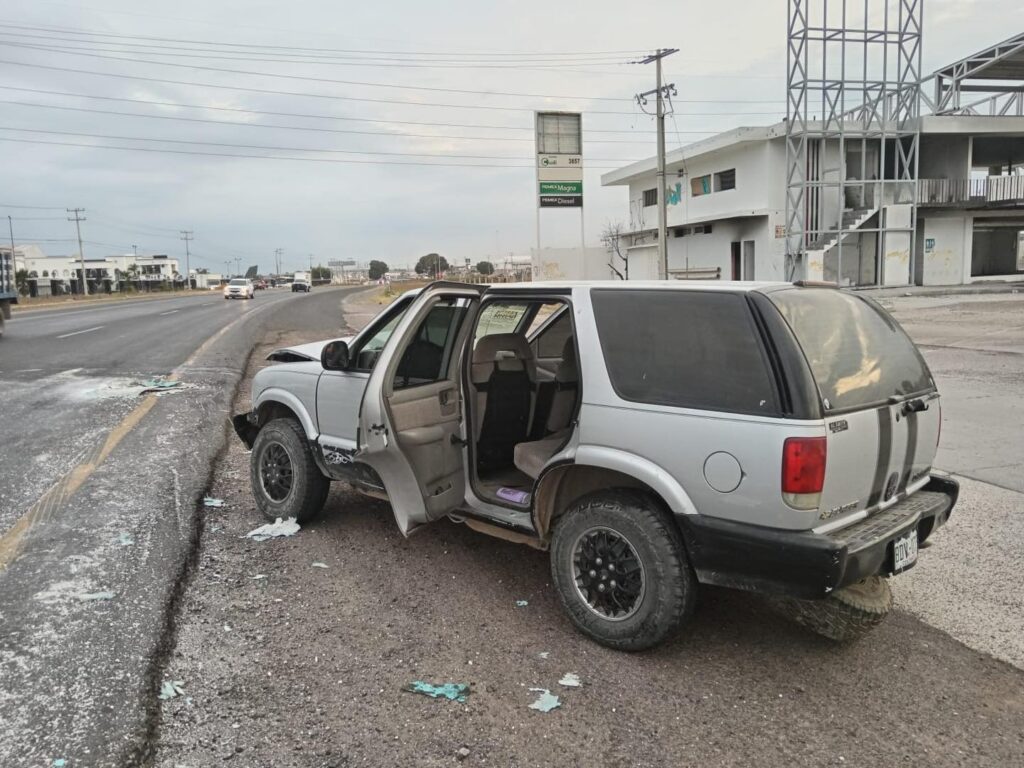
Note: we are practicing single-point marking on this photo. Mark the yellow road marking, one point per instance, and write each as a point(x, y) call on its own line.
point(12, 541)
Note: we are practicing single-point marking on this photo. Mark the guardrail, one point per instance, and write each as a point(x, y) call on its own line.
point(992, 189)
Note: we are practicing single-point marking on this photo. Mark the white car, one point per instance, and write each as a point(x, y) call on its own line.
point(240, 288)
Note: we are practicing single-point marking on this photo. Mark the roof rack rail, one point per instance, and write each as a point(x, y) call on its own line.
point(815, 284)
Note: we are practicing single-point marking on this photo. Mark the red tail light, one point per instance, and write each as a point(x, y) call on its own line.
point(803, 471)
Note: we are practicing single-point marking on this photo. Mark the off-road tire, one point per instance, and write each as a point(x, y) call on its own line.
point(670, 586)
point(309, 487)
point(846, 614)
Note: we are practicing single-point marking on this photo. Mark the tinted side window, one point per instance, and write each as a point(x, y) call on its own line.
point(859, 354)
point(425, 358)
point(552, 341)
point(688, 349)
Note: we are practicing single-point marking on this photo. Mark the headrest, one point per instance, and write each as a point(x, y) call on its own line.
point(502, 351)
point(489, 348)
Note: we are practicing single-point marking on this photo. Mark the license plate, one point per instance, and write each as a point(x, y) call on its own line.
point(904, 551)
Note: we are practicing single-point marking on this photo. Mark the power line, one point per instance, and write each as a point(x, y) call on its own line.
point(333, 96)
point(391, 134)
point(275, 157)
point(382, 121)
point(61, 44)
point(225, 70)
point(34, 207)
point(94, 33)
point(234, 145)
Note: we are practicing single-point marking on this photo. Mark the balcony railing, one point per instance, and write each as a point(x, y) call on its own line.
point(990, 190)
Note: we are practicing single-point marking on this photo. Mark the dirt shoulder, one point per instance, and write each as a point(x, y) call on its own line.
point(287, 663)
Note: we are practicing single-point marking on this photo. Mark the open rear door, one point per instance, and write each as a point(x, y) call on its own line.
point(410, 421)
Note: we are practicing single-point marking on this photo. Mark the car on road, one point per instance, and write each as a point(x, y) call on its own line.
point(301, 285)
point(239, 288)
point(260, 285)
point(651, 436)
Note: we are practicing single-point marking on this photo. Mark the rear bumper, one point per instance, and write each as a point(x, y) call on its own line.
point(805, 564)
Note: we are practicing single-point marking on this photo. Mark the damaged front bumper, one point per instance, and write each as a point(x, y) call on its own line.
point(247, 426)
point(804, 564)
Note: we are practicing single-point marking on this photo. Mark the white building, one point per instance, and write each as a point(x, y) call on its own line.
point(726, 195)
point(54, 275)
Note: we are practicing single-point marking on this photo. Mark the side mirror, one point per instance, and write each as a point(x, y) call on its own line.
point(334, 356)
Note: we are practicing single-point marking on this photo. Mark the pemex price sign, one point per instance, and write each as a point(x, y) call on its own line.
point(559, 159)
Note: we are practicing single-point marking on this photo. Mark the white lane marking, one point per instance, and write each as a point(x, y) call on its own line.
point(169, 313)
point(76, 333)
point(29, 370)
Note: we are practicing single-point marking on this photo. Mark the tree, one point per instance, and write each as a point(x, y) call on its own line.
point(21, 281)
point(432, 264)
point(485, 268)
point(320, 273)
point(612, 239)
point(377, 269)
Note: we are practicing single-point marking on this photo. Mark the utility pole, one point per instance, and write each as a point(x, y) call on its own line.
point(186, 235)
point(10, 228)
point(78, 219)
point(238, 266)
point(277, 261)
point(135, 251)
point(661, 92)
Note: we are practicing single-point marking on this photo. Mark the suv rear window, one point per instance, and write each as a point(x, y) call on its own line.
point(858, 353)
point(689, 349)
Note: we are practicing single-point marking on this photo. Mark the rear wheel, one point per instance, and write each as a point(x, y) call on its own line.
point(285, 479)
point(844, 615)
point(621, 571)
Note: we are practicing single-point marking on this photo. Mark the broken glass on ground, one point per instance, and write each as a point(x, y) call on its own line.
point(209, 501)
point(570, 680)
point(450, 691)
point(522, 603)
point(279, 527)
point(171, 688)
point(546, 701)
point(90, 596)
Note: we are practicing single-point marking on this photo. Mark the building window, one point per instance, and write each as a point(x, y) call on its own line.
point(650, 197)
point(702, 229)
point(700, 185)
point(725, 180)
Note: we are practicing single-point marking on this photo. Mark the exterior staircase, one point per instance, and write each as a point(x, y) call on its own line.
point(852, 219)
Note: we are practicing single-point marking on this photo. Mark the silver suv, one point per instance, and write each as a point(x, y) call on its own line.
point(652, 436)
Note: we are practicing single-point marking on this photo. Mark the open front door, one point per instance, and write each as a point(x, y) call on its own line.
point(410, 421)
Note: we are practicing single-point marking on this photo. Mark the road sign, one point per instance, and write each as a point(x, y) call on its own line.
point(561, 187)
point(559, 139)
point(341, 263)
point(561, 201)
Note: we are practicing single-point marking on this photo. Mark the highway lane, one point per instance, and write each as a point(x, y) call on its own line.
point(68, 376)
point(138, 336)
point(101, 507)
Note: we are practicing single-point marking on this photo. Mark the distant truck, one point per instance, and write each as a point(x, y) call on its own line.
point(8, 288)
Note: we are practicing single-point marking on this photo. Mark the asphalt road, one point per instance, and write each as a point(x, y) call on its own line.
point(99, 505)
point(285, 663)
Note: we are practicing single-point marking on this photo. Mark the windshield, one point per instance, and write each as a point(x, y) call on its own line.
point(858, 353)
point(238, 282)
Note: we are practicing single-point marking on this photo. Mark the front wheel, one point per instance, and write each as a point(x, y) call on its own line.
point(621, 571)
point(285, 479)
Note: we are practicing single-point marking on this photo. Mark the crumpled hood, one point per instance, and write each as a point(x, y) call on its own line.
point(302, 353)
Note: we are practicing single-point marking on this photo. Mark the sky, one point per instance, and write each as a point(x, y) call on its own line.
point(425, 145)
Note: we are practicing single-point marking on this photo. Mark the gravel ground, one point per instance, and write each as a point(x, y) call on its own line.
point(306, 667)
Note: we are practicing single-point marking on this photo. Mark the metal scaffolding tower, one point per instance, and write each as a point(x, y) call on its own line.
point(853, 104)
